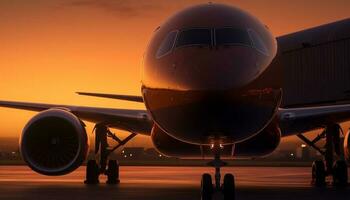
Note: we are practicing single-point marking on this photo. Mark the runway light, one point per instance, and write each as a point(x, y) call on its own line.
point(303, 145)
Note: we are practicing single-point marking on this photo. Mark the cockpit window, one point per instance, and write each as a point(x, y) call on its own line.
point(167, 44)
point(258, 43)
point(225, 36)
point(197, 36)
point(232, 36)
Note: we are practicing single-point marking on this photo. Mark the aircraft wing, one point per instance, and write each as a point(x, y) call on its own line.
point(137, 121)
point(298, 120)
point(114, 96)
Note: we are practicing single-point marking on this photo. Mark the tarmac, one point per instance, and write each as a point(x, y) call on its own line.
point(168, 183)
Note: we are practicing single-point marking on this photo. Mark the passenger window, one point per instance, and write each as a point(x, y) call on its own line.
point(232, 36)
point(167, 45)
point(198, 36)
point(258, 43)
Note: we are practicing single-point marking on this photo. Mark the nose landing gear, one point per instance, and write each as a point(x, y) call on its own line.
point(94, 170)
point(228, 186)
point(206, 187)
point(333, 149)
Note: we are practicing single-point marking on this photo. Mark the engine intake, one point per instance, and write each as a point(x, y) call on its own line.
point(54, 142)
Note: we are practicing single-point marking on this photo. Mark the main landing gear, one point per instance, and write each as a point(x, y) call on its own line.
point(227, 187)
point(332, 151)
point(94, 169)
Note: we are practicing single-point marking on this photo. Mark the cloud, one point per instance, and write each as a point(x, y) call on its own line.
point(122, 8)
point(134, 8)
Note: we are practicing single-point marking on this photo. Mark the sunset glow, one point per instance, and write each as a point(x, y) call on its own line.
point(51, 49)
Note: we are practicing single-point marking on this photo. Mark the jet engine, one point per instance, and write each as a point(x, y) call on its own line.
point(262, 144)
point(347, 146)
point(54, 142)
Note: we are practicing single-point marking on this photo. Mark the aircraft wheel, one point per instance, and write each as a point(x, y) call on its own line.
point(92, 173)
point(206, 187)
point(340, 173)
point(318, 173)
point(112, 172)
point(228, 187)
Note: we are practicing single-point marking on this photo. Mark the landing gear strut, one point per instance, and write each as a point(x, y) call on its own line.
point(228, 186)
point(93, 170)
point(332, 151)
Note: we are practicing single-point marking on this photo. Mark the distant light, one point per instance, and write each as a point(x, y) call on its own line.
point(13, 152)
point(292, 154)
point(160, 155)
point(131, 155)
point(125, 156)
point(303, 145)
point(123, 152)
point(221, 146)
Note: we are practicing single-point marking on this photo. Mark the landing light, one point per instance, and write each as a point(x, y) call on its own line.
point(220, 145)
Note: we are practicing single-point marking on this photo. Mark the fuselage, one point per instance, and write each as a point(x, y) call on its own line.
point(196, 75)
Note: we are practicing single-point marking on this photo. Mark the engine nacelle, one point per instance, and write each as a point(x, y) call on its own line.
point(347, 146)
point(262, 144)
point(54, 142)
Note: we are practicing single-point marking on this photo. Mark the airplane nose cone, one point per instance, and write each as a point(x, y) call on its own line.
point(225, 68)
point(205, 97)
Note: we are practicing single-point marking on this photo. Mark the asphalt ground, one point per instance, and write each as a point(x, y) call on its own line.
point(282, 183)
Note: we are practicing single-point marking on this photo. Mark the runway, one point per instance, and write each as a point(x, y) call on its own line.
point(282, 183)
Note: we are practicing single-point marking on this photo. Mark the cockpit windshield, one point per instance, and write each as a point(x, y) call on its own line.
point(167, 44)
point(232, 36)
point(196, 36)
point(258, 42)
point(225, 36)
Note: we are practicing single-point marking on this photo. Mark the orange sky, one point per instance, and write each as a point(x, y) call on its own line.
point(50, 49)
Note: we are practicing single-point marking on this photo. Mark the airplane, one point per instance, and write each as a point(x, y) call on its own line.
point(216, 85)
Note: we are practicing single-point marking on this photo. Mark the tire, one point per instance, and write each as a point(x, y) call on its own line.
point(92, 173)
point(318, 173)
point(228, 187)
point(206, 187)
point(340, 173)
point(112, 172)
